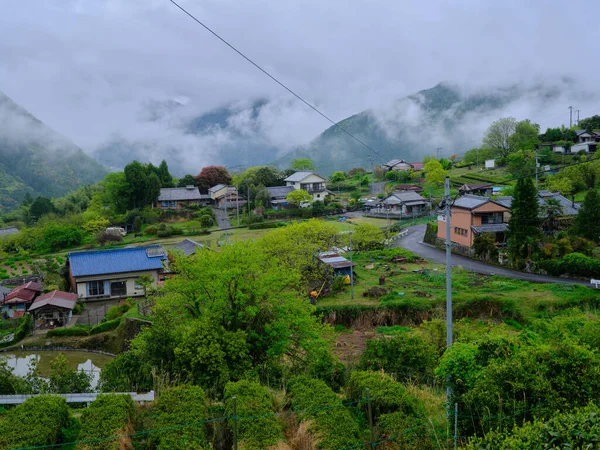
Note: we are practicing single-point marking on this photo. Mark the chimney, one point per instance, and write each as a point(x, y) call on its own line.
point(189, 187)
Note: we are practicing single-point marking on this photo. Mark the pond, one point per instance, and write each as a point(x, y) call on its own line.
point(91, 363)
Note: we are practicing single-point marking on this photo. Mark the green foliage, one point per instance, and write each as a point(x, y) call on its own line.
point(10, 383)
point(58, 236)
point(210, 176)
point(73, 331)
point(330, 422)
point(126, 372)
point(36, 422)
point(151, 230)
point(266, 225)
point(298, 196)
point(434, 172)
point(116, 311)
point(206, 221)
point(64, 379)
point(22, 330)
point(186, 180)
point(105, 326)
point(337, 177)
point(253, 400)
point(181, 405)
point(524, 223)
point(573, 264)
point(368, 237)
point(95, 225)
point(497, 136)
point(399, 176)
point(108, 415)
point(589, 123)
point(302, 164)
point(485, 246)
point(40, 207)
point(408, 356)
point(588, 217)
point(143, 184)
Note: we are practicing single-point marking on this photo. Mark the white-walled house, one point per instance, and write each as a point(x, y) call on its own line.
point(310, 182)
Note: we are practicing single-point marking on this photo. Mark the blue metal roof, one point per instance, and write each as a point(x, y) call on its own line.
point(118, 260)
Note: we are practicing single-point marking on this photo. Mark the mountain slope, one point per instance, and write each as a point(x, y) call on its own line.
point(440, 117)
point(36, 159)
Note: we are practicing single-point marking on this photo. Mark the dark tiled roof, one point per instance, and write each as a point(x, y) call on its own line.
point(280, 191)
point(8, 231)
point(299, 176)
point(187, 246)
point(470, 201)
point(490, 228)
point(119, 260)
point(55, 298)
point(216, 188)
point(568, 208)
point(182, 193)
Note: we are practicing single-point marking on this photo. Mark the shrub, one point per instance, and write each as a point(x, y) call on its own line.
point(265, 225)
point(73, 331)
point(108, 415)
point(181, 405)
point(330, 422)
point(253, 400)
point(36, 422)
point(117, 311)
point(408, 356)
point(151, 230)
point(21, 331)
point(106, 237)
point(105, 326)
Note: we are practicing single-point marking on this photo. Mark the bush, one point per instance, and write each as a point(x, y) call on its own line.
point(36, 422)
point(253, 400)
point(574, 264)
point(108, 415)
point(106, 237)
point(329, 421)
point(177, 406)
point(22, 330)
point(105, 326)
point(265, 225)
point(57, 236)
point(151, 230)
point(117, 311)
point(73, 331)
point(408, 356)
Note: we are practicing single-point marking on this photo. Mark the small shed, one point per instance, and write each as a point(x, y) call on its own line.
point(340, 265)
point(16, 302)
point(53, 309)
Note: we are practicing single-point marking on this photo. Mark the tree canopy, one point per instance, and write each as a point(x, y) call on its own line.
point(524, 223)
point(498, 134)
point(211, 176)
point(303, 164)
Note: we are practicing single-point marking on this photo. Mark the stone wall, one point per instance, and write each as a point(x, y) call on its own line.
point(17, 281)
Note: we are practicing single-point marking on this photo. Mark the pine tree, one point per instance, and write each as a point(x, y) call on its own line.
point(524, 226)
point(588, 218)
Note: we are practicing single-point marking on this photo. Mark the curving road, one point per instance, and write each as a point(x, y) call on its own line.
point(413, 241)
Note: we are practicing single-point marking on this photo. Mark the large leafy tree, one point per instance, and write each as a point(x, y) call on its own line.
point(298, 196)
point(143, 184)
point(498, 134)
point(211, 176)
point(186, 180)
point(588, 218)
point(524, 223)
point(166, 180)
point(590, 123)
point(303, 164)
point(525, 137)
point(40, 207)
point(551, 210)
point(434, 172)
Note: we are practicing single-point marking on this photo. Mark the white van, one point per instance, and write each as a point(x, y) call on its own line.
point(116, 230)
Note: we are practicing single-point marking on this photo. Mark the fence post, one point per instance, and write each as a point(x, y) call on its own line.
point(235, 419)
point(455, 425)
point(368, 394)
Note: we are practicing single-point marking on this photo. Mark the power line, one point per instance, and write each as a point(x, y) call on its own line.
point(314, 108)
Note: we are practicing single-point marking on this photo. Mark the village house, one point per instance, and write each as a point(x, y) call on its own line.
point(112, 274)
point(400, 164)
point(180, 197)
point(568, 207)
point(278, 196)
point(408, 187)
point(187, 246)
point(340, 265)
point(476, 189)
point(471, 215)
point(53, 309)
point(7, 231)
point(586, 141)
point(405, 202)
point(15, 304)
point(223, 196)
point(310, 182)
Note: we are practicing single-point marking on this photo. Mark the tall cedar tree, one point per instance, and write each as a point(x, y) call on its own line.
point(211, 176)
point(524, 224)
point(588, 218)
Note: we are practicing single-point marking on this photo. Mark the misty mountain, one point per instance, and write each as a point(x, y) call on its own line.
point(442, 117)
point(36, 159)
point(228, 136)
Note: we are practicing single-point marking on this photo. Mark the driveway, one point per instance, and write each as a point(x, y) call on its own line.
point(222, 219)
point(413, 241)
point(94, 312)
point(378, 188)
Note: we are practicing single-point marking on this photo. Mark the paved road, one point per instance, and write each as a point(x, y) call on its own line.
point(222, 219)
point(414, 242)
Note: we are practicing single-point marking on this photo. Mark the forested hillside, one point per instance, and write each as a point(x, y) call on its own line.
point(37, 160)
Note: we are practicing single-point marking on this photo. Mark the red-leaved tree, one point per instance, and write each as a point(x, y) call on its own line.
point(211, 176)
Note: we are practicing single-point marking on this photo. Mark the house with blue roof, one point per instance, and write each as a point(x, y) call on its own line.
point(112, 274)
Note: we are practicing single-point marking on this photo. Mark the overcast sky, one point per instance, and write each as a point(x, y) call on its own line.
point(85, 67)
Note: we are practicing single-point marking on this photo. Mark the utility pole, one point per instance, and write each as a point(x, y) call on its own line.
point(248, 201)
point(577, 111)
point(570, 116)
point(372, 161)
point(351, 270)
point(237, 204)
point(448, 283)
point(536, 167)
point(438, 151)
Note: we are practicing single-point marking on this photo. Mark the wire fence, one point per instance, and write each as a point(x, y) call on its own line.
point(451, 419)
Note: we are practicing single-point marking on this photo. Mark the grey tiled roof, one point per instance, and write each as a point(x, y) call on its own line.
point(299, 176)
point(280, 191)
point(400, 197)
point(187, 246)
point(568, 208)
point(216, 188)
point(181, 193)
point(490, 228)
point(470, 201)
point(9, 230)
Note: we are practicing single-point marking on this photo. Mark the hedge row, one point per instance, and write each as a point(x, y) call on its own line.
point(108, 415)
point(330, 422)
point(178, 406)
point(21, 331)
point(36, 422)
point(574, 264)
point(73, 331)
point(105, 326)
point(262, 430)
point(265, 225)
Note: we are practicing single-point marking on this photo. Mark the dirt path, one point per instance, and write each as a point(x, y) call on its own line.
point(349, 346)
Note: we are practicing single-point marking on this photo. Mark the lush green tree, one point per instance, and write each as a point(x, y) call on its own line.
point(337, 177)
point(588, 217)
point(166, 180)
point(206, 221)
point(446, 164)
point(525, 137)
point(263, 198)
point(211, 176)
point(57, 236)
point(434, 172)
point(367, 236)
point(295, 198)
point(479, 155)
point(498, 134)
point(186, 180)
point(115, 194)
point(521, 163)
point(552, 210)
point(65, 379)
point(524, 223)
point(356, 171)
point(40, 207)
point(590, 123)
point(10, 383)
point(484, 245)
point(303, 164)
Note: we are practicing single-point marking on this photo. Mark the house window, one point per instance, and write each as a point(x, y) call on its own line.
point(95, 288)
point(460, 231)
point(169, 204)
point(318, 195)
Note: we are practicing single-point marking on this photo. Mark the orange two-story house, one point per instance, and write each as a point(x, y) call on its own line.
point(471, 215)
